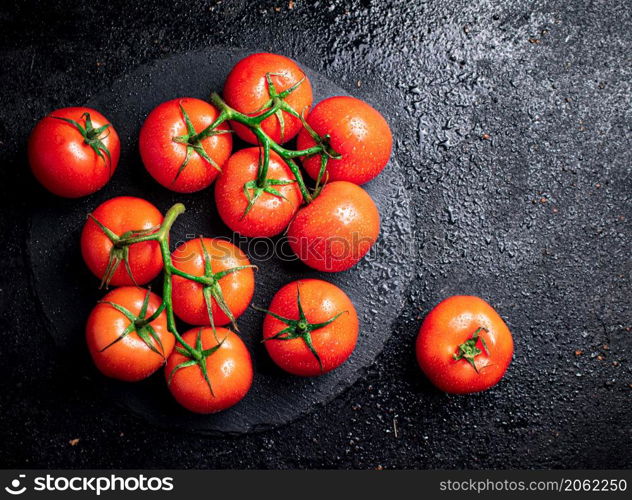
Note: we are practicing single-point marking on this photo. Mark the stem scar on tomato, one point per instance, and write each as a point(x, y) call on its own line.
point(468, 350)
point(299, 328)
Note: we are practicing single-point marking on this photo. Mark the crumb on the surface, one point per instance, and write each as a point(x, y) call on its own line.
point(73, 442)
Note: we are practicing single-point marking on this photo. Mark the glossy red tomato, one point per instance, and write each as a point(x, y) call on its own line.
point(234, 288)
point(247, 90)
point(229, 370)
point(174, 154)
point(121, 348)
point(274, 204)
point(357, 132)
point(464, 345)
point(73, 152)
point(122, 215)
point(335, 230)
point(317, 340)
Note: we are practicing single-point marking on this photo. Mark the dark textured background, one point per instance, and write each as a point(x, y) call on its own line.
point(515, 120)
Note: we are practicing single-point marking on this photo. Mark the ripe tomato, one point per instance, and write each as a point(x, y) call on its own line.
point(335, 230)
point(73, 152)
point(463, 345)
point(134, 264)
point(230, 285)
point(121, 346)
point(173, 153)
point(247, 90)
point(311, 327)
point(356, 131)
point(229, 371)
point(271, 207)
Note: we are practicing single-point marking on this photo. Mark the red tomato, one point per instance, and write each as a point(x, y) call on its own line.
point(335, 230)
point(328, 322)
point(235, 289)
point(463, 345)
point(229, 370)
point(247, 90)
point(171, 152)
point(270, 213)
point(122, 215)
point(74, 159)
point(356, 131)
point(122, 348)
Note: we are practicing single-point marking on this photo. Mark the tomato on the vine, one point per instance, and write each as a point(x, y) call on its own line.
point(336, 229)
point(179, 149)
point(73, 152)
point(311, 327)
point(123, 345)
point(269, 206)
point(463, 345)
point(223, 380)
point(229, 282)
point(262, 80)
point(355, 131)
point(117, 218)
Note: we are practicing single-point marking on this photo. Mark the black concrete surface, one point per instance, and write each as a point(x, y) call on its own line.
point(514, 121)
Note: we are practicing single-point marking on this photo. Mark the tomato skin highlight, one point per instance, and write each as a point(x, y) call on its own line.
point(334, 343)
point(129, 359)
point(270, 215)
point(451, 323)
point(337, 229)
point(122, 214)
point(237, 287)
point(357, 131)
point(163, 157)
point(61, 160)
point(246, 90)
point(229, 370)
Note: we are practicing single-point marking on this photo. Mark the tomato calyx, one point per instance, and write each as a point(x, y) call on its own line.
point(92, 136)
point(120, 250)
point(299, 328)
point(211, 289)
point(276, 105)
point(193, 141)
point(468, 350)
point(262, 184)
point(197, 356)
point(140, 324)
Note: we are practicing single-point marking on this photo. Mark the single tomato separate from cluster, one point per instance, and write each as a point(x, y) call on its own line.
point(177, 147)
point(335, 230)
point(355, 131)
point(311, 327)
point(248, 90)
point(73, 152)
point(230, 282)
point(249, 208)
point(227, 365)
point(463, 345)
point(116, 264)
point(123, 345)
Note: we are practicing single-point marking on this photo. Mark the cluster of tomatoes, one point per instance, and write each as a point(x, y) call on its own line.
point(186, 144)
